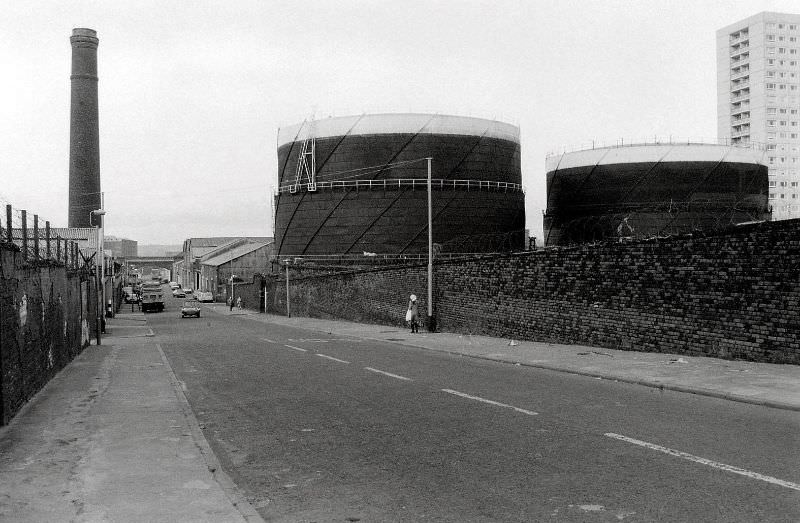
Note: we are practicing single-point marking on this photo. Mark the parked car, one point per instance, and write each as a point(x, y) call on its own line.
point(205, 296)
point(178, 293)
point(188, 291)
point(190, 308)
point(173, 285)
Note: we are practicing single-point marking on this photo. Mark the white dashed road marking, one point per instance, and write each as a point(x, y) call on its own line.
point(704, 461)
point(490, 402)
point(269, 340)
point(331, 358)
point(295, 348)
point(397, 376)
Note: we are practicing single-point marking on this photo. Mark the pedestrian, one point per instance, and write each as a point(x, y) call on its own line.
point(230, 302)
point(239, 303)
point(414, 313)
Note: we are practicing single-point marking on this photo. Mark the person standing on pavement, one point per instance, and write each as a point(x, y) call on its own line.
point(239, 303)
point(412, 306)
point(230, 302)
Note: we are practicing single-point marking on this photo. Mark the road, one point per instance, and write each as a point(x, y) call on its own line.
point(318, 428)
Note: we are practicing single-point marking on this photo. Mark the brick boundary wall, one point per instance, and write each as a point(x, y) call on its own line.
point(733, 295)
point(43, 325)
point(250, 292)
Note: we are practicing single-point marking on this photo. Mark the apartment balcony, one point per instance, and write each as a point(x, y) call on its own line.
point(740, 56)
point(744, 133)
point(738, 84)
point(740, 97)
point(740, 120)
point(740, 47)
point(739, 36)
point(740, 74)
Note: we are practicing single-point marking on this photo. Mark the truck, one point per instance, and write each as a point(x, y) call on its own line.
point(152, 297)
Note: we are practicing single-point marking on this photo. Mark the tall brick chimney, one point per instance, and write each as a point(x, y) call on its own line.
point(84, 131)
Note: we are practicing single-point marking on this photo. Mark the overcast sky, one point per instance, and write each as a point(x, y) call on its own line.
point(192, 92)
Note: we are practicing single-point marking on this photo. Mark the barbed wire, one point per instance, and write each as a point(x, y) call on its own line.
point(28, 232)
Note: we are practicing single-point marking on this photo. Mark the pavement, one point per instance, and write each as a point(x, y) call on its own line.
point(112, 436)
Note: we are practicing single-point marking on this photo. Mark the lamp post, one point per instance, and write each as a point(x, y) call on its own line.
point(288, 310)
point(431, 326)
point(98, 269)
point(233, 276)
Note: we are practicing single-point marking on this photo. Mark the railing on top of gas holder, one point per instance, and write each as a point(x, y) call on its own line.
point(656, 140)
point(414, 183)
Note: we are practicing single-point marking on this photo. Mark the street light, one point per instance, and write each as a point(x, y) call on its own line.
point(233, 279)
point(430, 322)
point(98, 269)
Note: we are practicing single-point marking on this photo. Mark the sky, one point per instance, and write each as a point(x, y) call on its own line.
point(192, 93)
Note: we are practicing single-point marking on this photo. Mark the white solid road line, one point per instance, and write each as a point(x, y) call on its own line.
point(295, 348)
point(704, 461)
point(397, 376)
point(331, 358)
point(490, 402)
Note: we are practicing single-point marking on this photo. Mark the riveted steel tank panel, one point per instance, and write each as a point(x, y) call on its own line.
point(595, 199)
point(392, 219)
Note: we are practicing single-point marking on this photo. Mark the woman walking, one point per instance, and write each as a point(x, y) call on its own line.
point(412, 308)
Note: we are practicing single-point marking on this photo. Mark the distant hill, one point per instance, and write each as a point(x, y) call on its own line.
point(159, 250)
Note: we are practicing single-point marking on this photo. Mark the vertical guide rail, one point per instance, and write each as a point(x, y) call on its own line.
point(47, 238)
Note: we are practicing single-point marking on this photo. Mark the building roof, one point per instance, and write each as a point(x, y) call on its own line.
point(83, 236)
point(209, 242)
point(73, 233)
point(236, 252)
point(231, 244)
point(117, 239)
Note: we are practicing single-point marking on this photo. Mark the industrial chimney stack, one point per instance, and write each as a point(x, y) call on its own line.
point(84, 131)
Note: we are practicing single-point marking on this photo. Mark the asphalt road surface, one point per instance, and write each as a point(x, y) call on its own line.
point(313, 427)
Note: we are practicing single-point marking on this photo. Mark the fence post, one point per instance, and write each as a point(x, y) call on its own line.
point(9, 224)
point(36, 237)
point(58, 249)
point(24, 235)
point(47, 237)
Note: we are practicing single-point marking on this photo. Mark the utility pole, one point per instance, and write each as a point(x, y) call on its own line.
point(430, 250)
point(97, 269)
point(288, 310)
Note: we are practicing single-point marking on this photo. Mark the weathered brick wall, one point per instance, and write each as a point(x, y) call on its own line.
point(43, 326)
point(731, 295)
point(250, 292)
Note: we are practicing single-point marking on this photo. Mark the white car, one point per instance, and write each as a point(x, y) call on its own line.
point(204, 296)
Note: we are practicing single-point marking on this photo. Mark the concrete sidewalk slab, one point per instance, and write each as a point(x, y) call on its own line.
point(112, 438)
point(766, 384)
